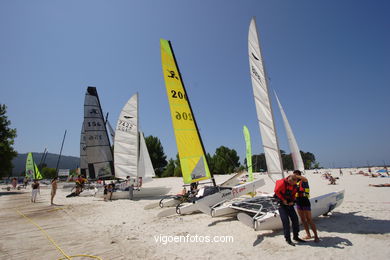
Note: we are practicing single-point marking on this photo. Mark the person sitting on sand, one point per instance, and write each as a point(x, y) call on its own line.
point(304, 206)
point(183, 191)
point(380, 185)
point(332, 180)
point(35, 191)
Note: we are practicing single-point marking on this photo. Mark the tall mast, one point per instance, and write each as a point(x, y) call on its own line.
point(193, 116)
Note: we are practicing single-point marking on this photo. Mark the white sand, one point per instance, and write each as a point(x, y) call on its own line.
point(358, 229)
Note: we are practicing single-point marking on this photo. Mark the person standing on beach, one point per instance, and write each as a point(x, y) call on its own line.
point(110, 190)
point(35, 191)
point(304, 206)
point(285, 191)
point(25, 182)
point(14, 183)
point(53, 189)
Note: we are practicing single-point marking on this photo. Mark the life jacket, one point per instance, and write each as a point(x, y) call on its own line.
point(303, 189)
point(284, 191)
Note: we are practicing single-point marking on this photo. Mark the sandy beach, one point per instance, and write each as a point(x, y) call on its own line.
point(123, 229)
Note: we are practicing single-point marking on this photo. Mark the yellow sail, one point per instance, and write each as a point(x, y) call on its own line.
point(191, 153)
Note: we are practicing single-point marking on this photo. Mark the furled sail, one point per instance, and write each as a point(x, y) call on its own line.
point(112, 131)
point(263, 104)
point(292, 142)
point(98, 149)
point(126, 150)
point(191, 152)
point(145, 166)
point(248, 152)
point(83, 154)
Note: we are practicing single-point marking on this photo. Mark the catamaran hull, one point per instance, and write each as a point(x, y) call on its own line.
point(206, 203)
point(144, 192)
point(271, 221)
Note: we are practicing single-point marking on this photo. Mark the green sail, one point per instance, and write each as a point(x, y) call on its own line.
point(248, 152)
point(32, 171)
point(38, 175)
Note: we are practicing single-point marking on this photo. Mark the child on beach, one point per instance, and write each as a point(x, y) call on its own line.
point(53, 189)
point(110, 190)
point(35, 190)
point(14, 183)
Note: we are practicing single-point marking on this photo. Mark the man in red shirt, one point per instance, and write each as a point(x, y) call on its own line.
point(285, 192)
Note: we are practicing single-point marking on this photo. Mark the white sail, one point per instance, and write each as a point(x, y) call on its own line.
point(83, 154)
point(126, 140)
point(294, 149)
point(263, 104)
point(145, 166)
point(98, 149)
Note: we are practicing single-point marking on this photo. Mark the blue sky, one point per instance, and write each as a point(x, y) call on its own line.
point(329, 62)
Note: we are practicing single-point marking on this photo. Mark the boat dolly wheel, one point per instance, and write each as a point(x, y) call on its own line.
point(178, 209)
point(161, 203)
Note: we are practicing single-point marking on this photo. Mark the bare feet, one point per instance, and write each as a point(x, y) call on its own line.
point(307, 237)
point(316, 239)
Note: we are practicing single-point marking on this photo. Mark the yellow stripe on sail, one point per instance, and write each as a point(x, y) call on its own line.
point(192, 158)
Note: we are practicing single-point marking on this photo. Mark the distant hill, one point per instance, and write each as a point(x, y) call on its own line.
point(66, 162)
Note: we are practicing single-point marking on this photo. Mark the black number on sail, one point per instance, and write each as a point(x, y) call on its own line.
point(184, 116)
point(93, 124)
point(124, 126)
point(178, 94)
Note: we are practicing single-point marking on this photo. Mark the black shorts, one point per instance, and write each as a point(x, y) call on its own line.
point(303, 203)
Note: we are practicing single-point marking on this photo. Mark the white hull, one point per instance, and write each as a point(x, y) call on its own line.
point(143, 192)
point(271, 221)
point(206, 203)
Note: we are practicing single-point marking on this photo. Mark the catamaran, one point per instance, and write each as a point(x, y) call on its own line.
point(192, 154)
point(261, 212)
point(32, 171)
point(131, 157)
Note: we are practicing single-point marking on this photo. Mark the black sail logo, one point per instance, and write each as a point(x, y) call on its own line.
point(94, 111)
point(255, 56)
point(172, 74)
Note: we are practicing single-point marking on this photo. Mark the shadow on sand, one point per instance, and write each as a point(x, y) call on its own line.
point(352, 223)
point(260, 237)
point(10, 193)
point(334, 242)
point(339, 223)
point(230, 219)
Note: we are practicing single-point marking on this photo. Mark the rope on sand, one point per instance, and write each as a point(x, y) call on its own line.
point(52, 241)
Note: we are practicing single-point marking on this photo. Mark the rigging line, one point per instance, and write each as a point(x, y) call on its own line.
point(52, 241)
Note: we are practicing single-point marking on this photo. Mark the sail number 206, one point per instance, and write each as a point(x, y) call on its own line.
point(183, 116)
point(178, 94)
